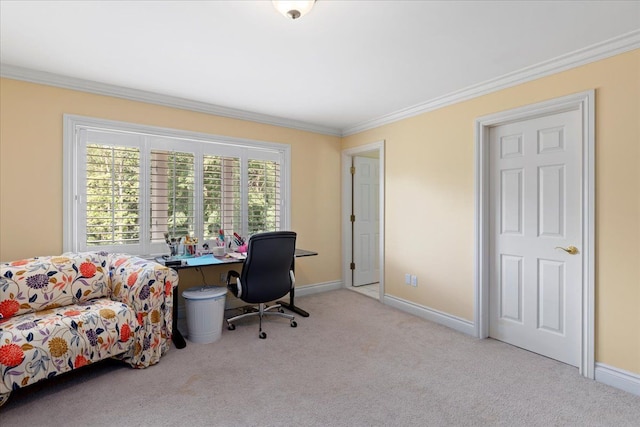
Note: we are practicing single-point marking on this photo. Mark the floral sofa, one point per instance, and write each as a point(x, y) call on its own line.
point(64, 312)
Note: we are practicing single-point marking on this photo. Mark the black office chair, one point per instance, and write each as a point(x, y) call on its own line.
point(267, 274)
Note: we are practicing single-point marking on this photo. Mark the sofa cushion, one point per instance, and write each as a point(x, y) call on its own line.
point(46, 343)
point(40, 283)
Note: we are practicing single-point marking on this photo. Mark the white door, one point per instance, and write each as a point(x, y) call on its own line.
point(366, 227)
point(535, 209)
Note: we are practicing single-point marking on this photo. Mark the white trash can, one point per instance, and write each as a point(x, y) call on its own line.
point(205, 313)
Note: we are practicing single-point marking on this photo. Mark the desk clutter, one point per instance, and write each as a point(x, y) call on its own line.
point(181, 246)
point(202, 260)
point(231, 241)
point(184, 251)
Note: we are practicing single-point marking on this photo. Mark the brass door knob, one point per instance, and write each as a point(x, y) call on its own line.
point(571, 250)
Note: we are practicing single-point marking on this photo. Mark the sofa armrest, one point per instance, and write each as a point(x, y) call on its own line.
point(146, 287)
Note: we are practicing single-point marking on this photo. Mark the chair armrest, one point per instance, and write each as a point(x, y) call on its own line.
point(235, 288)
point(146, 287)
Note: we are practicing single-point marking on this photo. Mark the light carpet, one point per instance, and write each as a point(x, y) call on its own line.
point(353, 362)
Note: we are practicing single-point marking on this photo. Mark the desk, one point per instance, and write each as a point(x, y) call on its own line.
point(290, 305)
point(178, 339)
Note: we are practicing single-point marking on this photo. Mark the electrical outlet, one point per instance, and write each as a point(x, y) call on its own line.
point(223, 277)
point(407, 279)
point(414, 281)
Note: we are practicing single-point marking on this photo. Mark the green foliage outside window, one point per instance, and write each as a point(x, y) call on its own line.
point(263, 196)
point(114, 195)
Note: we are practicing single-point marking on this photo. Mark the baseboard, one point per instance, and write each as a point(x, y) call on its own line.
point(453, 322)
point(317, 288)
point(618, 378)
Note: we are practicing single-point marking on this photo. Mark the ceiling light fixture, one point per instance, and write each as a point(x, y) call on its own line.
point(293, 9)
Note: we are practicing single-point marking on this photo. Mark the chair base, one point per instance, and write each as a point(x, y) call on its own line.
point(263, 310)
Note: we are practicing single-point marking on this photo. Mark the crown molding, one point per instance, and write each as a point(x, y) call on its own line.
point(51, 79)
point(596, 52)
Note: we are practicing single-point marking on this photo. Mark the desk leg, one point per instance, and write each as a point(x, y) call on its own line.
point(178, 339)
point(292, 294)
point(291, 306)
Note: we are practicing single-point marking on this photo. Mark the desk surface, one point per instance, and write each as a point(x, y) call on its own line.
point(220, 260)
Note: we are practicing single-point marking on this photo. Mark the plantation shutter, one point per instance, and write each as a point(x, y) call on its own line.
point(112, 195)
point(221, 196)
point(171, 198)
point(129, 187)
point(263, 196)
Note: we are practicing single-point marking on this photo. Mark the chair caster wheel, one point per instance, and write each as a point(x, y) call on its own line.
point(231, 327)
point(262, 335)
point(293, 324)
point(280, 310)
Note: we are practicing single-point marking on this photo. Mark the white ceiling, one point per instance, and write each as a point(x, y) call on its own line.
point(345, 64)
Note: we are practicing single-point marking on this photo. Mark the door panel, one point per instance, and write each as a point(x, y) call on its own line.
point(551, 201)
point(366, 235)
point(535, 207)
point(512, 201)
point(551, 295)
point(511, 288)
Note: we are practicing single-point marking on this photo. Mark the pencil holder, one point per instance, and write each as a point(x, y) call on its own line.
point(173, 248)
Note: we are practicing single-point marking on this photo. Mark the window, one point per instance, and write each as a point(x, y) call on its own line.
point(129, 186)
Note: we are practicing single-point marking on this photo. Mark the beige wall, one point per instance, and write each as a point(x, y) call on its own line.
point(429, 161)
point(31, 118)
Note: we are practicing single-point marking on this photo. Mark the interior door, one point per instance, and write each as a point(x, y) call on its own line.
point(535, 210)
point(366, 226)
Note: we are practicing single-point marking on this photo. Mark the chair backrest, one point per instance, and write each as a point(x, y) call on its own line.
point(265, 275)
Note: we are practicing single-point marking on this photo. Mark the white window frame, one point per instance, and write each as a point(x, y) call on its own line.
point(160, 138)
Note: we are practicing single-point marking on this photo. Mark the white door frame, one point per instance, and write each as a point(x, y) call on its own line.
point(584, 102)
point(347, 243)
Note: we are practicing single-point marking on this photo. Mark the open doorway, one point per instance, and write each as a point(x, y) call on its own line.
point(363, 219)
